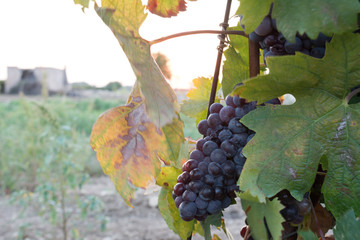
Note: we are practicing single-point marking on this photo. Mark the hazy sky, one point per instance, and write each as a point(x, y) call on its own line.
point(56, 33)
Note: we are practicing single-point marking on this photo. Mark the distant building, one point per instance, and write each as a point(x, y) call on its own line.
point(31, 81)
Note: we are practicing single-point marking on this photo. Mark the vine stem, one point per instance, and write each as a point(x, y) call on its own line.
point(352, 94)
point(181, 34)
point(317, 222)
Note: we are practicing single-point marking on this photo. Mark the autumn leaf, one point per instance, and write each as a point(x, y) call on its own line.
point(197, 104)
point(128, 146)
point(124, 18)
point(166, 8)
point(290, 141)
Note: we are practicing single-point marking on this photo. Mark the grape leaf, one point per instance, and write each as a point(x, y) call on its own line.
point(197, 104)
point(83, 3)
point(290, 140)
point(171, 215)
point(124, 18)
point(128, 145)
point(215, 220)
point(310, 16)
point(347, 227)
point(167, 177)
point(236, 65)
point(308, 235)
point(257, 213)
point(166, 8)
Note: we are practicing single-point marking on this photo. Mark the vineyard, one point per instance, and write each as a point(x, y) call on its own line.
point(293, 166)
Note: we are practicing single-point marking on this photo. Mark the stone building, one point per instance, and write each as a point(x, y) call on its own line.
point(32, 81)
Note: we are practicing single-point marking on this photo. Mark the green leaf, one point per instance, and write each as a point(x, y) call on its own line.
point(347, 227)
point(124, 18)
point(83, 3)
point(308, 235)
point(236, 65)
point(197, 104)
point(258, 212)
point(310, 16)
point(167, 177)
point(171, 215)
point(214, 220)
point(166, 8)
point(291, 140)
point(314, 16)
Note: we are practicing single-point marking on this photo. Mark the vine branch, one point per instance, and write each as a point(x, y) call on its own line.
point(181, 34)
point(352, 94)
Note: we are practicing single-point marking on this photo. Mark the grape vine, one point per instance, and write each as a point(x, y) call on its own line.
point(295, 168)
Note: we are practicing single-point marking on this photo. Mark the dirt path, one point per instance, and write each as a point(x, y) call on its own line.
point(143, 222)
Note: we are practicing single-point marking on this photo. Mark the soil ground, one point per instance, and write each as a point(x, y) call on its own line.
point(143, 222)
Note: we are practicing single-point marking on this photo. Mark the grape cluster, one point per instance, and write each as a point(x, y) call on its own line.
point(294, 210)
point(275, 44)
point(208, 181)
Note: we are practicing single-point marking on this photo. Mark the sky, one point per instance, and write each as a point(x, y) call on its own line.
point(56, 33)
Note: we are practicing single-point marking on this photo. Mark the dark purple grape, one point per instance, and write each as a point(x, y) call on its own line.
point(317, 52)
point(187, 210)
point(321, 40)
point(195, 186)
point(189, 165)
point(270, 40)
point(203, 166)
point(307, 44)
point(200, 143)
point(197, 155)
point(239, 112)
point(226, 114)
point(203, 127)
point(236, 127)
point(229, 101)
point(289, 213)
point(215, 107)
point(200, 203)
point(207, 160)
point(178, 200)
point(214, 169)
point(304, 206)
point(250, 137)
point(189, 196)
point(238, 169)
point(218, 155)
point(219, 193)
point(278, 49)
point(228, 168)
point(230, 181)
point(292, 47)
point(214, 120)
point(274, 101)
point(207, 193)
point(202, 217)
point(225, 202)
point(173, 195)
point(255, 37)
point(281, 38)
point(179, 189)
point(209, 179)
point(239, 139)
point(239, 158)
point(184, 177)
point(231, 190)
point(298, 219)
point(229, 148)
point(219, 181)
point(214, 206)
point(236, 101)
point(265, 27)
point(208, 147)
point(196, 174)
point(224, 135)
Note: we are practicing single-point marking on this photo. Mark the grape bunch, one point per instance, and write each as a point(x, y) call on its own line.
point(208, 181)
point(294, 210)
point(274, 43)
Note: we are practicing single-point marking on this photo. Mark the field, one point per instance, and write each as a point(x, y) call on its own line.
point(51, 185)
